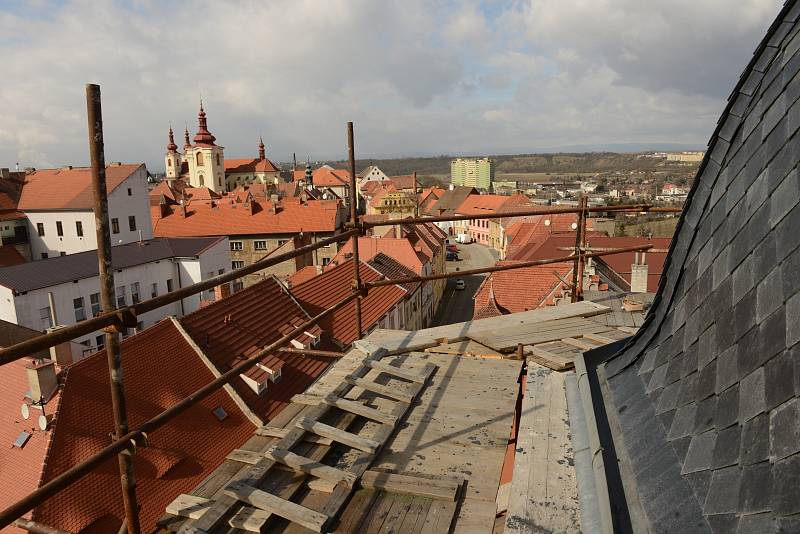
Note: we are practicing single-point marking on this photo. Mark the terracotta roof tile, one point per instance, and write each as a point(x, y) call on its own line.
point(50, 189)
point(236, 166)
point(326, 176)
point(368, 247)
point(179, 455)
point(522, 289)
point(334, 285)
point(407, 181)
point(306, 273)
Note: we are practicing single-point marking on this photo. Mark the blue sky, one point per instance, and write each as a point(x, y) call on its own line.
point(417, 77)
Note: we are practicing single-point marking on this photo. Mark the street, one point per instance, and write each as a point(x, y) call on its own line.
point(457, 305)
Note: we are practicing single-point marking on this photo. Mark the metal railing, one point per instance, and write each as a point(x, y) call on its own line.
point(112, 320)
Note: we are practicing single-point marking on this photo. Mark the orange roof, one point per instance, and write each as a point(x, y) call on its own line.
point(327, 176)
point(163, 188)
point(335, 284)
point(481, 204)
point(306, 273)
point(400, 249)
point(534, 229)
point(254, 317)
point(160, 368)
point(407, 181)
point(9, 255)
point(228, 218)
point(235, 166)
point(60, 189)
point(517, 290)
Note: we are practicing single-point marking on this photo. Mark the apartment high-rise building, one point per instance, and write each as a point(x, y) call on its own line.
point(472, 172)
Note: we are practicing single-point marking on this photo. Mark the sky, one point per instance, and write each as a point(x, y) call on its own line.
point(418, 78)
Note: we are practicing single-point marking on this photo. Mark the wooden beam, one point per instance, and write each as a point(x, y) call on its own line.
point(189, 506)
point(272, 432)
point(246, 457)
point(599, 339)
point(338, 435)
point(410, 485)
point(578, 343)
point(310, 467)
point(557, 362)
point(307, 399)
point(406, 374)
point(249, 519)
point(385, 391)
point(359, 409)
point(275, 505)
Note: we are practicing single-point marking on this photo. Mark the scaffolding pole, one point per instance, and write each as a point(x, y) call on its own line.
point(351, 153)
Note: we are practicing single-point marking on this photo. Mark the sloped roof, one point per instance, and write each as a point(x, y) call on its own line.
point(306, 273)
point(334, 285)
point(68, 188)
point(255, 317)
point(400, 249)
point(9, 255)
point(704, 400)
point(406, 181)
point(233, 219)
point(160, 368)
point(393, 269)
point(237, 166)
point(523, 289)
point(61, 269)
point(450, 200)
point(326, 176)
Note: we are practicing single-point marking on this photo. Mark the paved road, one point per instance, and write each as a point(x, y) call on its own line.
point(457, 305)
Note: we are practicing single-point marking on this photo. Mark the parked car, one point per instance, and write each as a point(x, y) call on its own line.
point(451, 256)
point(460, 284)
point(452, 248)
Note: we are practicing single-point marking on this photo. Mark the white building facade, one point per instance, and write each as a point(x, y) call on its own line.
point(141, 271)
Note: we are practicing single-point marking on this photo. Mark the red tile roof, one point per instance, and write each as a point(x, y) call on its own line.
point(327, 176)
point(236, 166)
point(393, 269)
point(9, 255)
point(481, 204)
point(334, 285)
point(400, 249)
point(306, 273)
point(254, 317)
point(518, 290)
point(59, 189)
point(160, 369)
point(228, 218)
point(407, 181)
point(533, 230)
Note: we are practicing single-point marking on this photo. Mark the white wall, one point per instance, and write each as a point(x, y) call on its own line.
point(120, 206)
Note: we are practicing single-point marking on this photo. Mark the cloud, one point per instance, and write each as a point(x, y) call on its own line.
point(417, 77)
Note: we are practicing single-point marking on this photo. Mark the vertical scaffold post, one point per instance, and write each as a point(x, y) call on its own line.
point(106, 276)
point(354, 220)
point(582, 237)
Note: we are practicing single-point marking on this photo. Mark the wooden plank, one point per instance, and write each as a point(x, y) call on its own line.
point(393, 370)
point(249, 519)
point(627, 329)
point(306, 399)
point(359, 409)
point(603, 340)
point(378, 515)
point(506, 339)
point(281, 433)
point(295, 513)
point(439, 518)
point(578, 343)
point(395, 393)
point(397, 513)
point(549, 359)
point(410, 485)
point(358, 509)
point(468, 347)
point(310, 467)
point(190, 506)
point(415, 515)
point(246, 457)
point(338, 435)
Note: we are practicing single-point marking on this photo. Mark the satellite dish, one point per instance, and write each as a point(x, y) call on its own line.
point(547, 222)
point(43, 422)
point(26, 411)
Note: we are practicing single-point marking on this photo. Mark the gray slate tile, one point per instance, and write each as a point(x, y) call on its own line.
point(726, 450)
point(752, 397)
point(723, 494)
point(784, 430)
point(755, 440)
point(785, 480)
point(756, 489)
point(701, 453)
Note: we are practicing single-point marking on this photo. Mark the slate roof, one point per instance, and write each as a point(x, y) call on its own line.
point(62, 269)
point(704, 400)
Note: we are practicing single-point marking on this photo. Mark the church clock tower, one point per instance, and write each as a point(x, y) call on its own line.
point(206, 159)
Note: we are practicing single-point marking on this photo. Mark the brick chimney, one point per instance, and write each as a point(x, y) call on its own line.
point(222, 291)
point(42, 379)
point(639, 273)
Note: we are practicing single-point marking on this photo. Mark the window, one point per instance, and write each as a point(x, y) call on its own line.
point(40, 229)
point(121, 297)
point(59, 229)
point(169, 162)
point(202, 181)
point(100, 341)
point(237, 264)
point(282, 242)
point(238, 285)
point(139, 326)
point(169, 285)
point(44, 318)
point(94, 300)
point(130, 192)
point(260, 245)
point(62, 253)
point(154, 290)
point(79, 228)
point(115, 226)
point(132, 223)
point(80, 314)
point(135, 292)
point(325, 261)
point(236, 245)
point(44, 255)
point(218, 163)
point(221, 272)
point(200, 160)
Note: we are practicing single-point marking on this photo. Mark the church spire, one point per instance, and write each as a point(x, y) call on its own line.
point(309, 175)
point(186, 142)
point(203, 136)
point(171, 146)
point(262, 153)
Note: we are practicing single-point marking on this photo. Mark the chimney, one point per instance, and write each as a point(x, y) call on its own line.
point(164, 208)
point(183, 210)
point(5, 173)
point(222, 291)
point(639, 274)
point(42, 379)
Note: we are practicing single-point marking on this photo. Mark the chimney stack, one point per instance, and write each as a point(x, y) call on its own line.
point(639, 274)
point(222, 291)
point(42, 379)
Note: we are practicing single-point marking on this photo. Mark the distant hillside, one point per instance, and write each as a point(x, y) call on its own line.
point(526, 163)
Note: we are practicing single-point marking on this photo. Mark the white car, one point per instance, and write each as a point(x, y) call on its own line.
point(460, 284)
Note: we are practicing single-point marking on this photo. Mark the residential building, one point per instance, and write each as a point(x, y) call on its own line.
point(383, 307)
point(371, 174)
point(393, 203)
point(326, 177)
point(670, 189)
point(142, 270)
point(58, 205)
point(14, 241)
point(447, 204)
point(256, 226)
point(412, 317)
point(472, 172)
point(686, 157)
point(487, 232)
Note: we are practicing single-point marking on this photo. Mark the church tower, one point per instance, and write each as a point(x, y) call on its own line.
point(206, 159)
point(173, 158)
